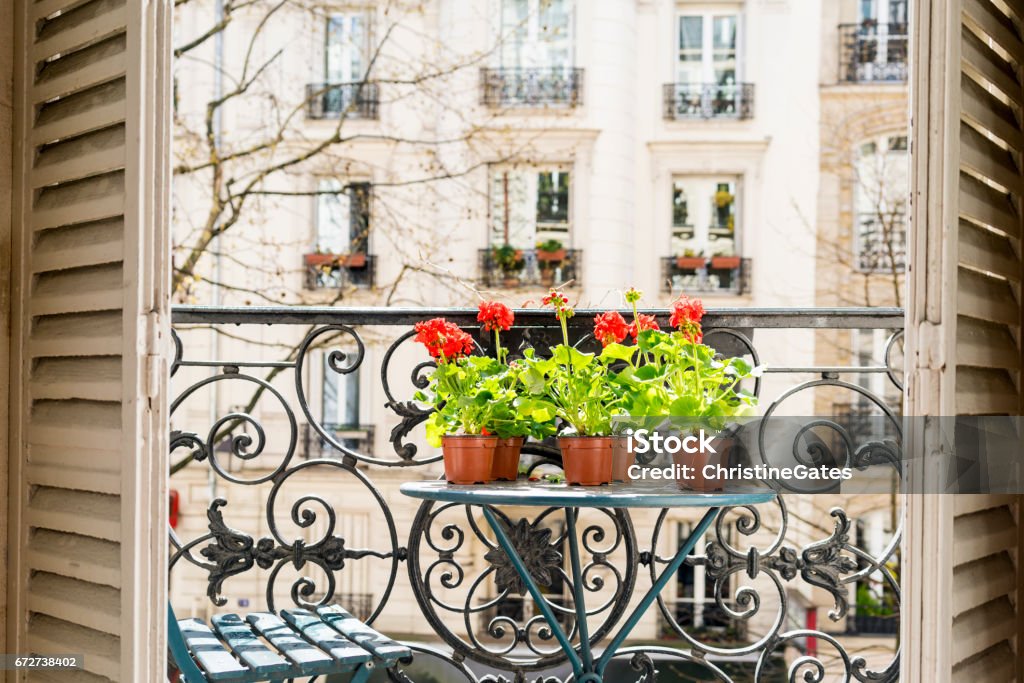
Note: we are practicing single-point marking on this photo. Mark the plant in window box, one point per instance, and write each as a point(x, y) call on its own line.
point(469, 396)
point(550, 255)
point(509, 261)
point(573, 387)
point(724, 261)
point(691, 260)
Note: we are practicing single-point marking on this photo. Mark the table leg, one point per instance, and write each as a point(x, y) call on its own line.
point(578, 600)
point(545, 609)
point(659, 584)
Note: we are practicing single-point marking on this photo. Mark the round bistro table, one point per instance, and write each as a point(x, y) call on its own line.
point(571, 498)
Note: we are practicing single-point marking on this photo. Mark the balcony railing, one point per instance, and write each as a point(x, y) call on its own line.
point(872, 53)
point(881, 243)
point(312, 530)
point(520, 87)
point(336, 271)
point(723, 274)
point(531, 268)
point(683, 101)
point(356, 437)
point(337, 100)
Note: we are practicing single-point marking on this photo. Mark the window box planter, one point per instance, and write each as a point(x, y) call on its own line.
point(691, 262)
point(725, 262)
point(551, 256)
point(336, 260)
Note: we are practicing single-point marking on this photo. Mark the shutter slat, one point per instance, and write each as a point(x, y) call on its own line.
point(986, 159)
point(79, 246)
point(63, 378)
point(101, 650)
point(984, 111)
point(988, 251)
point(985, 392)
point(983, 65)
point(982, 627)
point(983, 581)
point(982, 534)
point(79, 557)
point(987, 206)
point(986, 298)
point(90, 199)
point(81, 289)
point(80, 70)
point(87, 604)
point(76, 512)
point(78, 334)
point(43, 9)
point(994, 665)
point(96, 472)
point(92, 109)
point(980, 344)
point(87, 155)
point(990, 23)
point(86, 24)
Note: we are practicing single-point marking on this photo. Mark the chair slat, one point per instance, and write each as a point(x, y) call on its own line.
point(211, 654)
point(366, 637)
point(249, 648)
point(341, 648)
point(308, 658)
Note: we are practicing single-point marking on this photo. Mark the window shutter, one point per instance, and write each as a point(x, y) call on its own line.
point(964, 329)
point(88, 351)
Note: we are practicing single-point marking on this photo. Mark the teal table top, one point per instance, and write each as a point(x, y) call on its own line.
point(616, 495)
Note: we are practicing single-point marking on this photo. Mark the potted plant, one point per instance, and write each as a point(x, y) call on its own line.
point(470, 395)
point(571, 386)
point(509, 261)
point(550, 255)
point(691, 260)
point(723, 261)
point(496, 317)
point(704, 391)
point(635, 395)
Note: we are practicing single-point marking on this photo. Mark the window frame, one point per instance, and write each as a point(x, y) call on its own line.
point(708, 14)
point(537, 226)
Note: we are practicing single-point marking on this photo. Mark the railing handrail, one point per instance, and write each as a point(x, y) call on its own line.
point(738, 317)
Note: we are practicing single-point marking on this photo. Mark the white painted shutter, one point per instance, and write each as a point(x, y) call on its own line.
point(964, 330)
point(88, 349)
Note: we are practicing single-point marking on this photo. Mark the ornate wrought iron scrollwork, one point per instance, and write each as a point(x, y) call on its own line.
point(752, 561)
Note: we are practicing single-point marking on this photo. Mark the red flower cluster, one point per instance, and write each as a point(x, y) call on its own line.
point(495, 316)
point(686, 316)
point(557, 300)
point(444, 340)
point(610, 327)
point(643, 322)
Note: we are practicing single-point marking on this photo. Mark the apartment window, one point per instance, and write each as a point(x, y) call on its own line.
point(346, 47)
point(707, 48)
point(342, 217)
point(704, 215)
point(530, 206)
point(536, 34)
point(881, 188)
point(341, 397)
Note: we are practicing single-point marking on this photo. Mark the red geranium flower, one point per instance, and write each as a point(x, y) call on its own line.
point(610, 327)
point(686, 316)
point(495, 316)
point(643, 322)
point(444, 340)
point(559, 302)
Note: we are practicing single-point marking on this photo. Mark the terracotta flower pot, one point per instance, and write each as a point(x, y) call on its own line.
point(468, 459)
point(690, 262)
point(725, 262)
point(621, 459)
point(506, 459)
point(557, 255)
point(586, 460)
point(697, 461)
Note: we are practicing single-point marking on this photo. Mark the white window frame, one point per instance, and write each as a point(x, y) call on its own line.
point(533, 52)
point(534, 230)
point(708, 14)
point(883, 203)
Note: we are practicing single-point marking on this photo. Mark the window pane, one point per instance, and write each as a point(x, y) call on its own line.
point(553, 197)
point(704, 220)
point(555, 33)
point(724, 49)
point(332, 218)
point(346, 43)
point(536, 33)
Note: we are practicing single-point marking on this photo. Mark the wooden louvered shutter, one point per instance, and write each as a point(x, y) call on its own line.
point(90, 303)
point(964, 346)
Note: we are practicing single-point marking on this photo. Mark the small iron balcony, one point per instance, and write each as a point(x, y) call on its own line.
point(870, 52)
point(337, 100)
point(332, 271)
point(544, 87)
point(684, 101)
point(721, 274)
point(530, 268)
